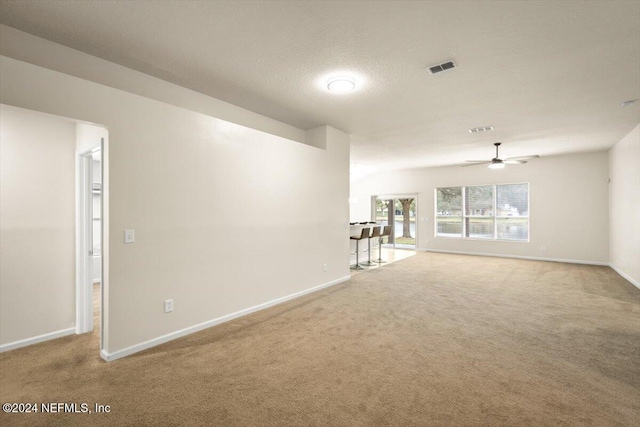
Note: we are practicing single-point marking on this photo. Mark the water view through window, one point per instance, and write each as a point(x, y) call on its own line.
point(491, 212)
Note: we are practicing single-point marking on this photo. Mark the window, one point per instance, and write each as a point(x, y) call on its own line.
point(490, 212)
point(449, 212)
point(512, 212)
point(478, 212)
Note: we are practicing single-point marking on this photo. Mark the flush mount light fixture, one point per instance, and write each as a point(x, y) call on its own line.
point(341, 84)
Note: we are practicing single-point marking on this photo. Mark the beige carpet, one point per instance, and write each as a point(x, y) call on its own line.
point(431, 340)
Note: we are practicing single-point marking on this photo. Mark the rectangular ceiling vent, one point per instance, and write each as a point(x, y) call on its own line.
point(439, 68)
point(481, 129)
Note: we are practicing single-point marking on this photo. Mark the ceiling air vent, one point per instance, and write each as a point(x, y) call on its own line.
point(445, 66)
point(481, 129)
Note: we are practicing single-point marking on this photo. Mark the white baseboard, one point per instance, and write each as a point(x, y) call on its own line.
point(569, 261)
point(38, 339)
point(195, 328)
point(625, 275)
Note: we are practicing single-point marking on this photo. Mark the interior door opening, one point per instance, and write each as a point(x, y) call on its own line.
point(89, 251)
point(54, 222)
point(91, 231)
point(96, 234)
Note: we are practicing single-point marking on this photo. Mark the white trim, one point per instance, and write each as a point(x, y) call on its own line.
point(196, 328)
point(625, 276)
point(396, 196)
point(80, 246)
point(38, 339)
point(533, 258)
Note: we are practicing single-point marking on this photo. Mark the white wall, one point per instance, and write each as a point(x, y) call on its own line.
point(624, 206)
point(568, 205)
point(89, 137)
point(226, 217)
point(37, 224)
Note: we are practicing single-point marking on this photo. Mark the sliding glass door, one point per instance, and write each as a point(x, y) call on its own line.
point(400, 211)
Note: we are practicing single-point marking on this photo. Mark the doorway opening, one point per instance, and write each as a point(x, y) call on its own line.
point(90, 231)
point(50, 264)
point(399, 211)
point(90, 223)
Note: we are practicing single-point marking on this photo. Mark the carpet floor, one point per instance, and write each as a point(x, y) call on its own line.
point(434, 340)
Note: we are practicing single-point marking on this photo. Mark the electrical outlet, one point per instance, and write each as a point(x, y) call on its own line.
point(129, 236)
point(543, 248)
point(168, 306)
point(324, 267)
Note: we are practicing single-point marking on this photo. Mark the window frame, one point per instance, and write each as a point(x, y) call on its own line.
point(494, 217)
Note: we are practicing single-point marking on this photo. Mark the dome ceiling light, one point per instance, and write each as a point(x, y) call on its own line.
point(341, 84)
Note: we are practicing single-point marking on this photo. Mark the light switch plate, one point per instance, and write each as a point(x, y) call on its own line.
point(129, 236)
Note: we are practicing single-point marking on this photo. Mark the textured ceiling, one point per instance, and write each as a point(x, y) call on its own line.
point(549, 76)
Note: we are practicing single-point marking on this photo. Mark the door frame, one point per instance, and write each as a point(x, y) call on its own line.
point(84, 240)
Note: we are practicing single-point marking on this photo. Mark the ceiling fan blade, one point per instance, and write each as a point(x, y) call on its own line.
point(515, 162)
point(475, 163)
point(523, 157)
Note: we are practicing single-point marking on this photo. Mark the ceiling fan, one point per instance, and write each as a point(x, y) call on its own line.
point(498, 163)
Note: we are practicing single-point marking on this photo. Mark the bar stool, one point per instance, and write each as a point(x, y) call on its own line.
point(364, 234)
point(385, 233)
point(375, 232)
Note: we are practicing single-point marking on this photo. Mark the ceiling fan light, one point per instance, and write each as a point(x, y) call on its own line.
point(498, 163)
